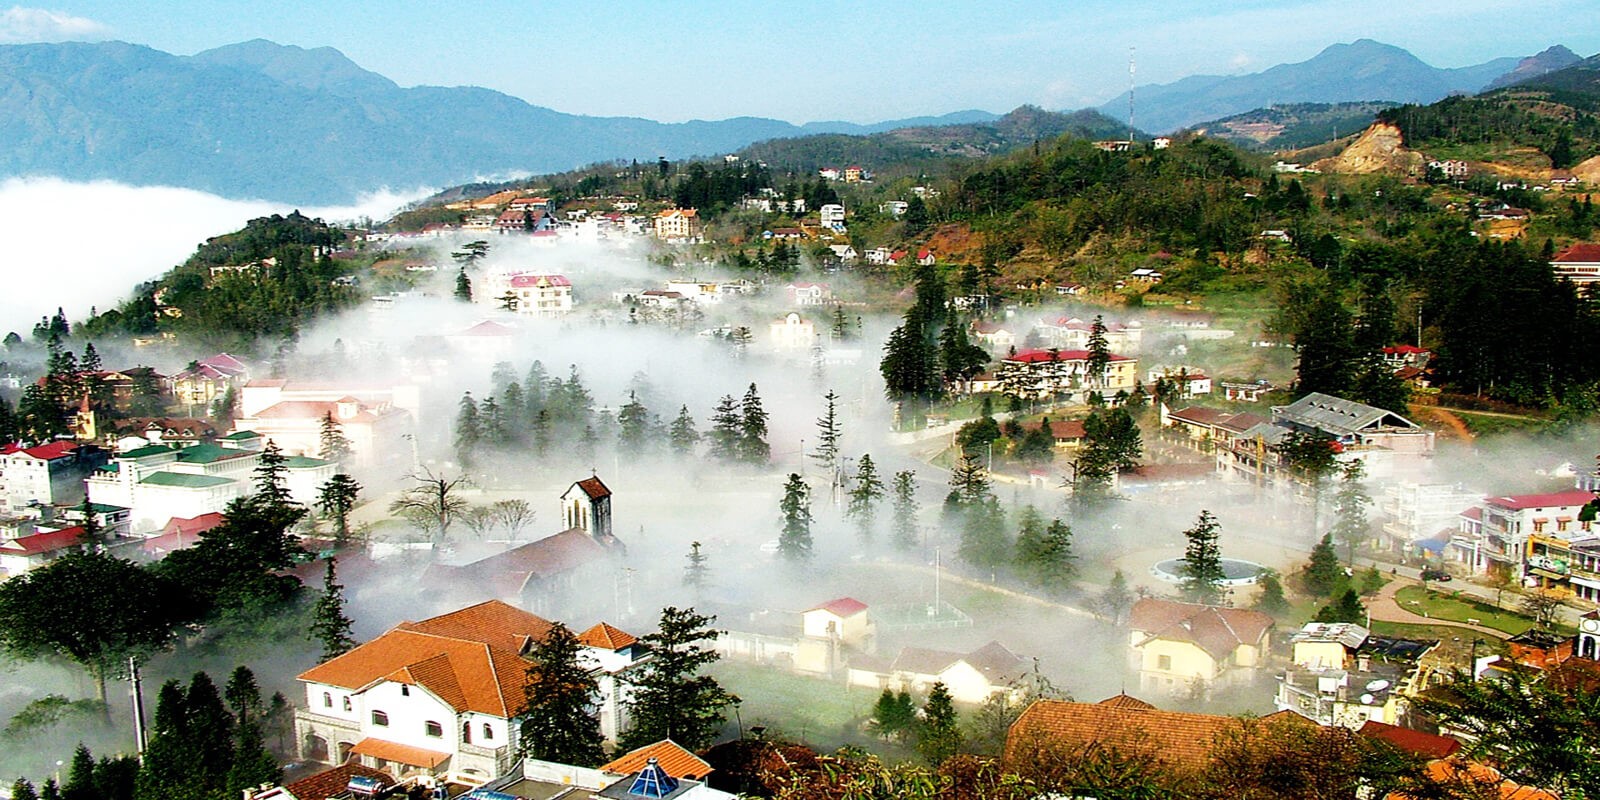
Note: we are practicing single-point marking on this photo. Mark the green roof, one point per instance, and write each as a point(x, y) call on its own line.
point(237, 436)
point(208, 453)
point(147, 450)
point(102, 508)
point(184, 480)
point(112, 468)
point(304, 462)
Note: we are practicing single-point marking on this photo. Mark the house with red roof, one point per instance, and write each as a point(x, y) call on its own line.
point(1579, 263)
point(1032, 374)
point(47, 474)
point(291, 416)
point(533, 293)
point(1181, 648)
point(1493, 536)
point(180, 534)
point(802, 293)
point(844, 620)
point(586, 506)
point(678, 225)
point(1072, 333)
point(204, 381)
point(444, 695)
point(20, 554)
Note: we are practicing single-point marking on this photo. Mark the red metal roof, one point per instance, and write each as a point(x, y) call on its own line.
point(1037, 356)
point(529, 281)
point(45, 452)
point(1519, 502)
point(842, 607)
point(1583, 253)
point(41, 543)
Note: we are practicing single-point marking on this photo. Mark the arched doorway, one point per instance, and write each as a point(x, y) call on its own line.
point(314, 748)
point(344, 751)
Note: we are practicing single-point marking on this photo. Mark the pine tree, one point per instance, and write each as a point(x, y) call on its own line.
point(696, 573)
point(270, 475)
point(673, 699)
point(335, 446)
point(469, 430)
point(557, 724)
point(1350, 510)
point(541, 433)
point(329, 625)
point(633, 426)
point(983, 534)
point(23, 790)
point(252, 765)
point(1271, 599)
point(80, 776)
point(1202, 561)
point(1099, 354)
point(839, 328)
point(337, 498)
point(794, 543)
point(1054, 566)
point(1348, 608)
point(1117, 598)
point(905, 510)
point(969, 481)
point(463, 286)
point(1322, 573)
point(243, 694)
point(939, 735)
point(865, 496)
point(724, 434)
point(1030, 540)
point(682, 434)
point(753, 447)
point(827, 453)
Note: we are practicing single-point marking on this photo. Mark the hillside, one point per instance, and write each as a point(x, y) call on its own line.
point(1537, 66)
point(1363, 70)
point(922, 145)
point(261, 120)
point(1293, 126)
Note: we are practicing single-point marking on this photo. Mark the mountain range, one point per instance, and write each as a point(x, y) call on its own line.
point(309, 126)
point(1363, 70)
point(262, 120)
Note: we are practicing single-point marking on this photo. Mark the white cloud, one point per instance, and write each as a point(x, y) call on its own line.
point(131, 234)
point(21, 25)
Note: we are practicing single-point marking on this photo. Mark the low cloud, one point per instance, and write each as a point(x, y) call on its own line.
point(58, 257)
point(20, 25)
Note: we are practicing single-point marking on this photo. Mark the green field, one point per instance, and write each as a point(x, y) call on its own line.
point(820, 712)
point(1438, 605)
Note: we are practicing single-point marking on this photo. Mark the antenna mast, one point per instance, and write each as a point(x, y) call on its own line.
point(1130, 95)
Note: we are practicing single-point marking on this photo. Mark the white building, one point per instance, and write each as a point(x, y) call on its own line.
point(159, 482)
point(1492, 536)
point(441, 696)
point(709, 292)
point(1072, 333)
point(48, 474)
point(1413, 511)
point(831, 215)
point(375, 419)
point(792, 332)
point(530, 293)
point(808, 294)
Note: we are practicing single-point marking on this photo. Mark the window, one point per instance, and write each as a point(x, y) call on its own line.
point(466, 732)
point(1164, 662)
point(433, 729)
point(488, 732)
point(405, 691)
point(347, 702)
point(380, 719)
point(327, 700)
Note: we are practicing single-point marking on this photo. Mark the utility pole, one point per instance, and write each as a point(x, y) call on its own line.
point(138, 707)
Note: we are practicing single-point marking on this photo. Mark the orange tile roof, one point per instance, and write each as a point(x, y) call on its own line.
point(1427, 745)
point(605, 637)
point(401, 753)
point(492, 622)
point(324, 785)
point(469, 659)
point(1049, 728)
point(1218, 631)
point(669, 755)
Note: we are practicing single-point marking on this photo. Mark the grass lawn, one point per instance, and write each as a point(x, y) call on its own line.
point(1486, 425)
point(1460, 609)
point(823, 713)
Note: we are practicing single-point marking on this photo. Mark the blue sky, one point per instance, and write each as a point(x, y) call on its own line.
point(861, 61)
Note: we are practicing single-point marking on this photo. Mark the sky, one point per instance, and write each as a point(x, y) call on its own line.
point(825, 59)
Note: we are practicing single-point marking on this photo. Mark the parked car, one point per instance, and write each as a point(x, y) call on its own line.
point(1435, 574)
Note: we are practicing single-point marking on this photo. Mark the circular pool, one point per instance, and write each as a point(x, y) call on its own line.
point(1235, 572)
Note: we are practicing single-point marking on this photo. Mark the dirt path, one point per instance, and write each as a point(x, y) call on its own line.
point(1451, 421)
point(1382, 606)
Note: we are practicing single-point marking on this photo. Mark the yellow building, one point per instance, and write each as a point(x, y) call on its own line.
point(1045, 373)
point(1181, 648)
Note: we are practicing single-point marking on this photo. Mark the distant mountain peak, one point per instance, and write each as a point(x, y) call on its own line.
point(1553, 59)
point(318, 69)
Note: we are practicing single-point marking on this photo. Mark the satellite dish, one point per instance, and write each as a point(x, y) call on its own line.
point(1377, 686)
point(1366, 699)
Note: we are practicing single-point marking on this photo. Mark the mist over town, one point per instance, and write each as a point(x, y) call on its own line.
point(1232, 435)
